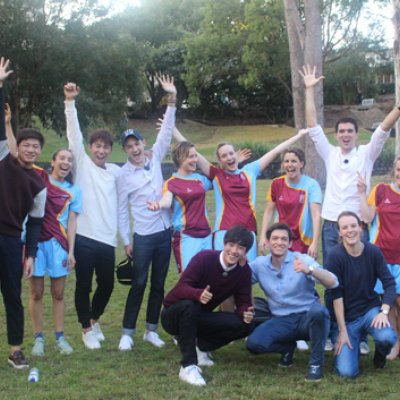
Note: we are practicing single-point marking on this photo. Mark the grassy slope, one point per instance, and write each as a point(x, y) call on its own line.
point(150, 373)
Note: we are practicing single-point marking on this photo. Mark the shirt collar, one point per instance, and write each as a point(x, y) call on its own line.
point(223, 265)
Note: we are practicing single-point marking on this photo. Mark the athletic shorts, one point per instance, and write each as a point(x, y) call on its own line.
point(395, 271)
point(185, 247)
point(51, 260)
point(218, 244)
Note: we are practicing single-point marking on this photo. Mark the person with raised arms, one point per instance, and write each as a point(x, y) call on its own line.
point(97, 225)
point(22, 196)
point(342, 164)
point(140, 181)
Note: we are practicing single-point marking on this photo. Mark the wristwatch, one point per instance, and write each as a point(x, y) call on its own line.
point(384, 311)
point(311, 268)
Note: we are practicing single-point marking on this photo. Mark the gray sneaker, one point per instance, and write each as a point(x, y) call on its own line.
point(63, 346)
point(38, 347)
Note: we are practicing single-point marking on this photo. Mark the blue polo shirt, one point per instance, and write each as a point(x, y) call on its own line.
point(287, 291)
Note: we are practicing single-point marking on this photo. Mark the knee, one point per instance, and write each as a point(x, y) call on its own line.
point(36, 295)
point(58, 295)
point(347, 371)
point(255, 345)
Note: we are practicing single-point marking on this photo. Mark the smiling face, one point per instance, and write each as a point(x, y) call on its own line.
point(349, 230)
point(29, 151)
point(61, 165)
point(134, 148)
point(99, 152)
point(227, 158)
point(279, 243)
point(189, 164)
point(233, 252)
point(292, 166)
point(346, 135)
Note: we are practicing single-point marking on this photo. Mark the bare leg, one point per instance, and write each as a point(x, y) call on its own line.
point(57, 294)
point(35, 302)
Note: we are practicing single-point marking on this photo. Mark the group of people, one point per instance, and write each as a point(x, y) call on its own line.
point(70, 218)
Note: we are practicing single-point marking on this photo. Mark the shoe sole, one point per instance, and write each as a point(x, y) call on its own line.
point(206, 364)
point(19, 367)
point(313, 380)
point(193, 384)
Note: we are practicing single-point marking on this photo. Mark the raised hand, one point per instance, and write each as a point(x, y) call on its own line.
point(361, 183)
point(300, 266)
point(71, 90)
point(167, 83)
point(309, 76)
point(206, 296)
point(243, 155)
point(3, 70)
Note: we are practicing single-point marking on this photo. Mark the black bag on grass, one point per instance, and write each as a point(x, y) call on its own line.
point(124, 272)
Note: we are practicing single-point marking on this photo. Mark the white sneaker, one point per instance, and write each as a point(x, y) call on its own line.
point(302, 345)
point(125, 343)
point(90, 340)
point(98, 332)
point(364, 348)
point(192, 374)
point(328, 345)
point(153, 338)
point(204, 359)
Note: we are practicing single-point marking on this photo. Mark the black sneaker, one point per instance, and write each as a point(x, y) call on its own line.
point(314, 373)
point(379, 360)
point(17, 360)
point(287, 359)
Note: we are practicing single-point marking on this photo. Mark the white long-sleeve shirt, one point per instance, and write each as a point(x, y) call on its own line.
point(341, 193)
point(138, 185)
point(98, 220)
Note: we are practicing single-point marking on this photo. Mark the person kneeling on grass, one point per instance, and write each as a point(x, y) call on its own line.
point(211, 277)
point(288, 280)
point(358, 308)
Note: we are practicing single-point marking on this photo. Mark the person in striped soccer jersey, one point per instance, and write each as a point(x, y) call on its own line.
point(295, 199)
point(382, 208)
point(186, 191)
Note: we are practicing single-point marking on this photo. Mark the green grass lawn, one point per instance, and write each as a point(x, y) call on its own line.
point(150, 373)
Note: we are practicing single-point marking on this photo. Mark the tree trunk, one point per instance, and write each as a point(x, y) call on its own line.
point(305, 47)
point(396, 48)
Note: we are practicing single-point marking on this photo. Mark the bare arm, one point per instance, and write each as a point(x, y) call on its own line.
point(71, 234)
point(390, 119)
point(368, 211)
point(310, 81)
point(165, 202)
point(266, 222)
point(11, 141)
point(267, 158)
point(316, 222)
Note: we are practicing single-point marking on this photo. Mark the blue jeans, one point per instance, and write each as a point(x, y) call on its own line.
point(154, 249)
point(279, 334)
point(346, 363)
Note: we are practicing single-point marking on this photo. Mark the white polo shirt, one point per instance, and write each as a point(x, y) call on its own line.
point(341, 193)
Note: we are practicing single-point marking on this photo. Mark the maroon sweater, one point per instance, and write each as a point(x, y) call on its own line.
point(205, 269)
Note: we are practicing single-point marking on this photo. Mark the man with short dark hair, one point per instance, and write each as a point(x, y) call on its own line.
point(358, 308)
point(288, 281)
point(22, 194)
point(211, 277)
point(97, 225)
